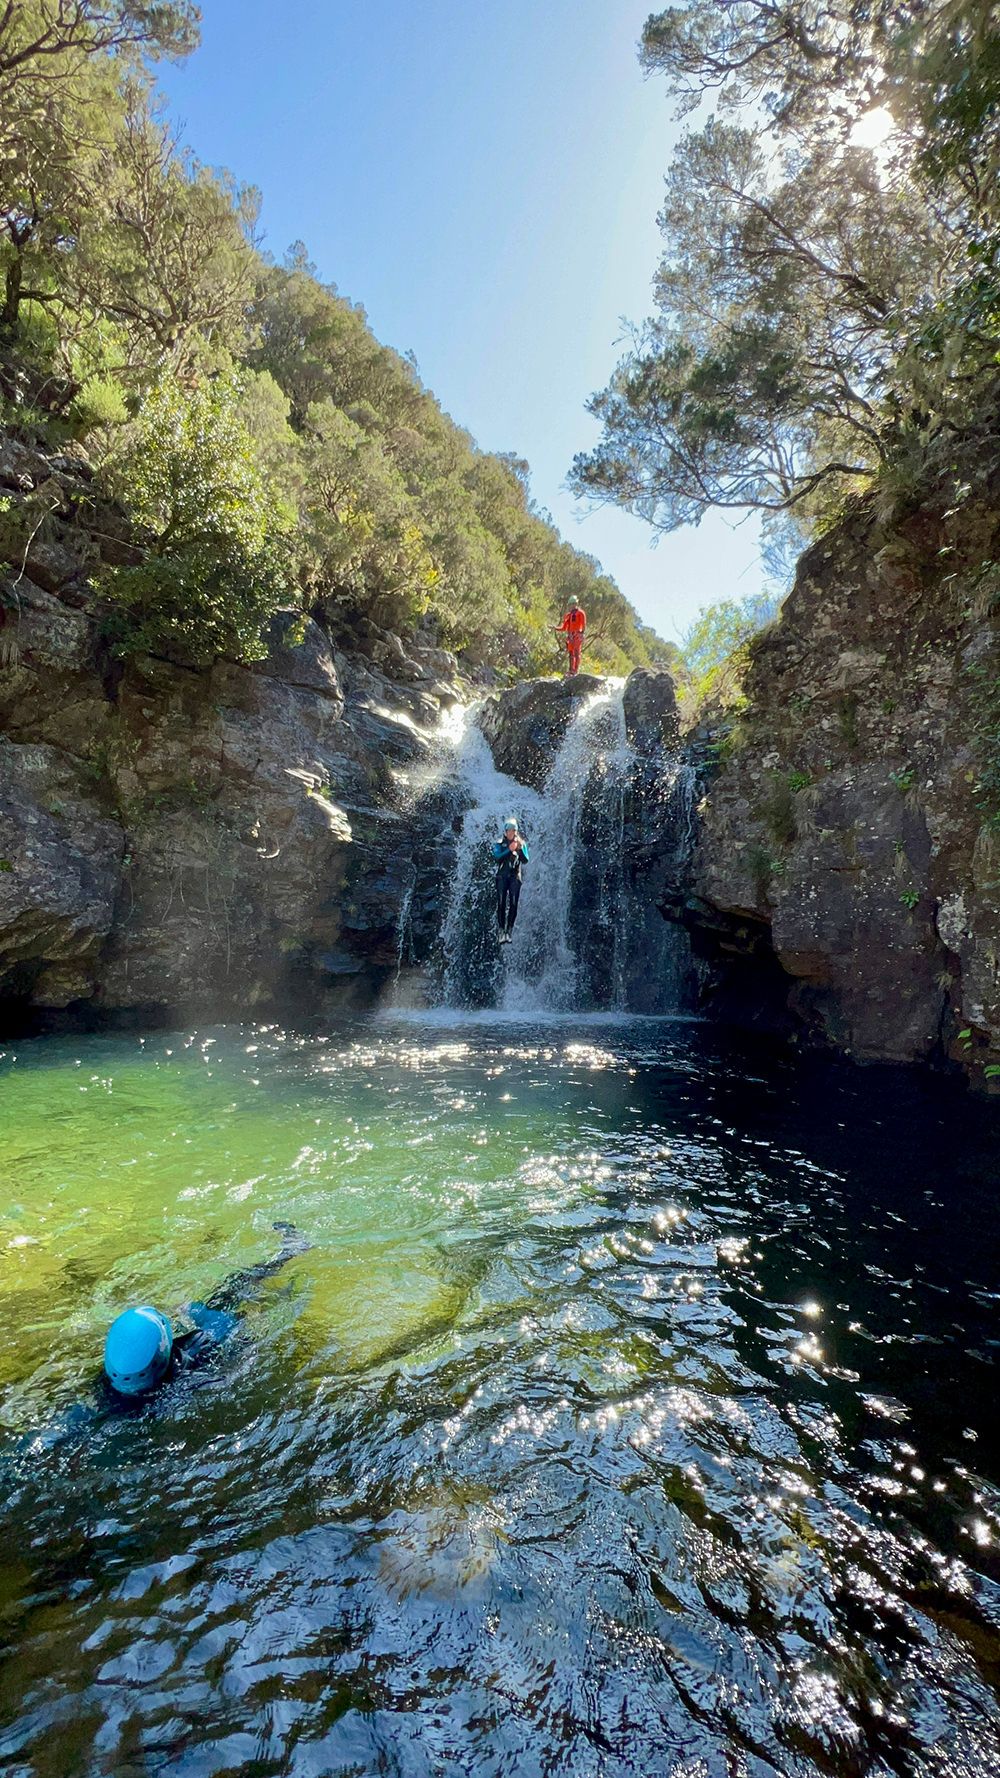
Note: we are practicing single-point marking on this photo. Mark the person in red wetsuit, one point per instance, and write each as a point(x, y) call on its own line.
point(573, 625)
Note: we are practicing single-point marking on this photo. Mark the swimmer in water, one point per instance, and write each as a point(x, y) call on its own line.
point(142, 1353)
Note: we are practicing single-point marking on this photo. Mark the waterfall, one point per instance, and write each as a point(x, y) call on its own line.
point(604, 832)
point(404, 934)
point(472, 974)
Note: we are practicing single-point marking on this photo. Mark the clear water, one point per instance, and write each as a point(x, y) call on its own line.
point(633, 1412)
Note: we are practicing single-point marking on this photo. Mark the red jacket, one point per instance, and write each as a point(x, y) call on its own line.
point(575, 622)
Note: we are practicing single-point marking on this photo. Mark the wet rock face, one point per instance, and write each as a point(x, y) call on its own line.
point(855, 940)
point(847, 835)
point(59, 871)
point(179, 843)
point(650, 704)
point(525, 725)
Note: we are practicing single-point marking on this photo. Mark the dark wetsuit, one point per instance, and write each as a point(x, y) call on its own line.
point(508, 883)
point(209, 1324)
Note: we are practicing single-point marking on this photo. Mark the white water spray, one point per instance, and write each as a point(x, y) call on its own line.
point(469, 936)
point(543, 968)
point(585, 938)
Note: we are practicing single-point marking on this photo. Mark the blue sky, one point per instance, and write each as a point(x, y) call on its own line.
point(484, 179)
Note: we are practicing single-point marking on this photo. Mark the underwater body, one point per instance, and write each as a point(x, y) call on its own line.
point(631, 1411)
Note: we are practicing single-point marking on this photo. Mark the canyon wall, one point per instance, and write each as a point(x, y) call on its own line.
point(177, 842)
point(846, 872)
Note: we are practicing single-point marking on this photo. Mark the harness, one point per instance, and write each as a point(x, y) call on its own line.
point(510, 865)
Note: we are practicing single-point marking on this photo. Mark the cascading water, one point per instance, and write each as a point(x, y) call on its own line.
point(471, 967)
point(573, 901)
point(589, 934)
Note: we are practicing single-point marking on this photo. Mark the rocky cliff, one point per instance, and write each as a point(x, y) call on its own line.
point(610, 836)
point(179, 843)
point(847, 870)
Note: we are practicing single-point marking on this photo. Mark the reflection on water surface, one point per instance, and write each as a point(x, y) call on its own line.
point(633, 1411)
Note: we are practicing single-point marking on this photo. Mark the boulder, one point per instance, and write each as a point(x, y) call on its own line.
point(50, 565)
point(299, 652)
point(412, 663)
point(650, 704)
point(20, 467)
point(434, 663)
point(525, 725)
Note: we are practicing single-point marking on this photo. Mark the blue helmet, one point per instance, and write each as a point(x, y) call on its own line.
point(137, 1350)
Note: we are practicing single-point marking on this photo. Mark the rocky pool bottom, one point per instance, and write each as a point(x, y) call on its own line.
point(633, 1411)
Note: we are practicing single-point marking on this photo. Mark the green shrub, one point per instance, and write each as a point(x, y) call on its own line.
point(716, 649)
point(218, 560)
point(100, 402)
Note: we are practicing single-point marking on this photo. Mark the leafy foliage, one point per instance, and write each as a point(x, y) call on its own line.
point(214, 564)
point(58, 84)
point(167, 256)
point(267, 445)
point(715, 650)
point(828, 303)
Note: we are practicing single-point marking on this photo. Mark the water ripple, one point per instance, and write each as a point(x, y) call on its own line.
point(629, 1414)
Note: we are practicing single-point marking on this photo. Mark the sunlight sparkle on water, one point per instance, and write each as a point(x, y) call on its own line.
point(526, 1407)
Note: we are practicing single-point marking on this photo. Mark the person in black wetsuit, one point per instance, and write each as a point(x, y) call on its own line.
point(142, 1353)
point(510, 854)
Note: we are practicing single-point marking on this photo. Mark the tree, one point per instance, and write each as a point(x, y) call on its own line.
point(39, 38)
point(51, 173)
point(820, 303)
point(170, 255)
point(216, 559)
point(475, 598)
point(307, 336)
point(367, 550)
point(798, 62)
point(714, 650)
point(57, 105)
point(780, 308)
point(318, 345)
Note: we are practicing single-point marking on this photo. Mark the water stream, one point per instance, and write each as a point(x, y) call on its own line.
point(632, 1411)
point(588, 936)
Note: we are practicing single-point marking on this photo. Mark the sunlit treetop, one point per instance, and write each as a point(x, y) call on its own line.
point(829, 294)
point(37, 33)
point(798, 64)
